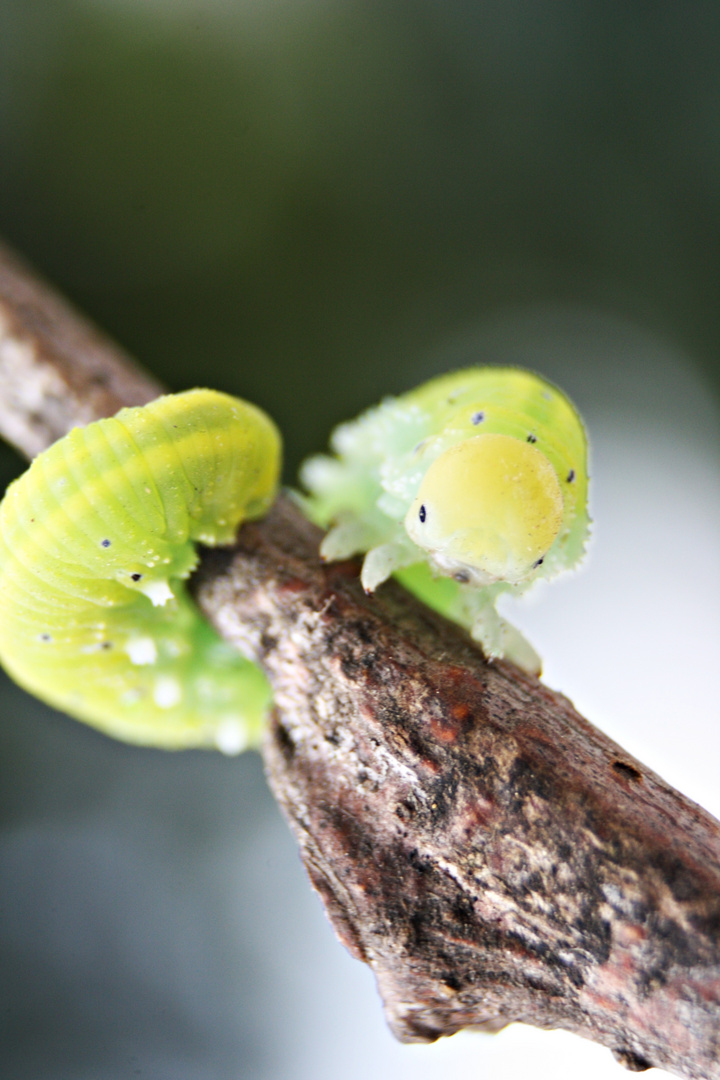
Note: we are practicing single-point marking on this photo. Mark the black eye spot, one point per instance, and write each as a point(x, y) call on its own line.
point(477, 418)
point(462, 577)
point(104, 543)
point(422, 514)
point(532, 438)
point(539, 562)
point(571, 476)
point(136, 577)
point(106, 645)
point(46, 637)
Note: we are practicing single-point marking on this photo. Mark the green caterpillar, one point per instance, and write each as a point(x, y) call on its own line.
point(96, 539)
point(470, 486)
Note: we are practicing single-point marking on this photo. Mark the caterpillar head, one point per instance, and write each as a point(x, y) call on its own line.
point(488, 509)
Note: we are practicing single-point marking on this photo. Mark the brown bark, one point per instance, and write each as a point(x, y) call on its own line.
point(56, 369)
point(487, 851)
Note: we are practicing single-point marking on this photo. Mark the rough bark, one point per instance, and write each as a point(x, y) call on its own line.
point(492, 855)
point(56, 369)
point(487, 851)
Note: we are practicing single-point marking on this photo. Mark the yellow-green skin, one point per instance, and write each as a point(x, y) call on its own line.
point(472, 485)
point(96, 539)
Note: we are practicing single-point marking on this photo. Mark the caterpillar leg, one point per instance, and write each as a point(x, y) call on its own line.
point(500, 639)
point(346, 539)
point(382, 561)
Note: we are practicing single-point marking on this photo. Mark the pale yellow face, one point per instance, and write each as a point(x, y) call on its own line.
point(488, 509)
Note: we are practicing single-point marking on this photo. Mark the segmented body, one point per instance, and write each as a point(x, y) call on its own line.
point(471, 485)
point(96, 539)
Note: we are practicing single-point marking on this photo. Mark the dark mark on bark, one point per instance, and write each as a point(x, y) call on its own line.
point(632, 1061)
point(628, 771)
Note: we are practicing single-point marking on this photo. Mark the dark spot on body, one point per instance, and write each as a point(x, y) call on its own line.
point(571, 476)
point(105, 543)
point(477, 418)
point(136, 577)
point(532, 438)
point(629, 772)
point(462, 576)
point(422, 514)
point(538, 562)
point(46, 637)
point(106, 645)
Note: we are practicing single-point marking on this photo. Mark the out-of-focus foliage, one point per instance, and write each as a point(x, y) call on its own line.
point(298, 201)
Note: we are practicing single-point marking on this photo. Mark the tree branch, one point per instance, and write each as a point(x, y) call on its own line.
point(488, 852)
point(56, 369)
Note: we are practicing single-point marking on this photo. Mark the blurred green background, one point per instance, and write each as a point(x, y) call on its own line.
point(313, 203)
point(303, 200)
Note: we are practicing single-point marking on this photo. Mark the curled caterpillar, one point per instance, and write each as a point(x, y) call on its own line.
point(470, 486)
point(96, 539)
